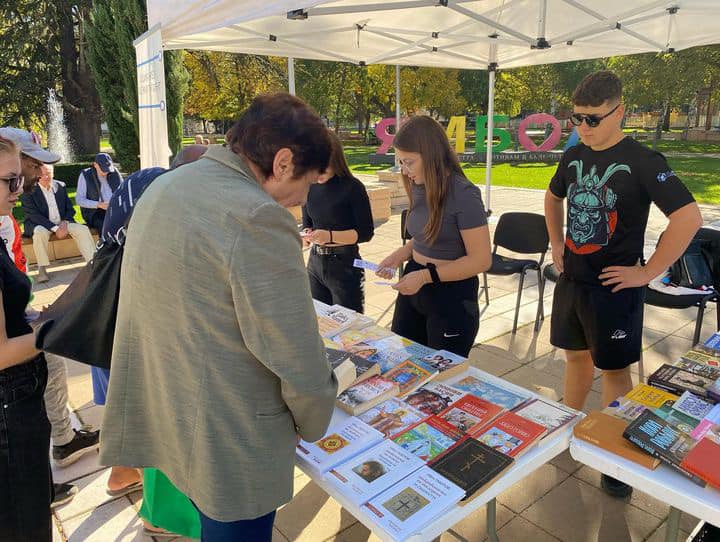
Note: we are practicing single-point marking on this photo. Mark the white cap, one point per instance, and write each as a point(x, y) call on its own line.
point(29, 144)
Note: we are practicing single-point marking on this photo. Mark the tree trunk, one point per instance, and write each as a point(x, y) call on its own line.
point(709, 116)
point(666, 120)
point(659, 125)
point(343, 77)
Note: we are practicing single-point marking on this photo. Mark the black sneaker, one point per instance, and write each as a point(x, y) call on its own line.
point(614, 487)
point(82, 443)
point(64, 493)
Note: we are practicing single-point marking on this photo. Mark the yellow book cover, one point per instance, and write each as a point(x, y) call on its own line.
point(649, 396)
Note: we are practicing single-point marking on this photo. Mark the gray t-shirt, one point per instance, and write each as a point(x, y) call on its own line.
point(463, 209)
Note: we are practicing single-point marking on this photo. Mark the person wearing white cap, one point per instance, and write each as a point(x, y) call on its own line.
point(95, 187)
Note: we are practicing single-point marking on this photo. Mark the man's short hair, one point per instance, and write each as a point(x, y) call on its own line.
point(597, 88)
point(277, 121)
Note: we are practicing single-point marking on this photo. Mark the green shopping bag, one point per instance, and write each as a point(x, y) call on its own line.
point(166, 507)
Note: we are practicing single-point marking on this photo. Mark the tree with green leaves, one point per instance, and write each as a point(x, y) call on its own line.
point(112, 27)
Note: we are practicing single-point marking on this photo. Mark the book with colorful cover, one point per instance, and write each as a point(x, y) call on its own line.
point(491, 391)
point(413, 503)
point(712, 344)
point(429, 438)
point(433, 397)
point(373, 471)
point(650, 396)
point(364, 368)
point(366, 394)
point(706, 358)
point(709, 426)
point(393, 350)
point(392, 417)
point(677, 380)
point(409, 376)
point(703, 369)
point(627, 409)
point(470, 413)
point(703, 460)
point(341, 442)
point(333, 319)
point(446, 363)
point(550, 415)
point(357, 341)
point(471, 465)
point(658, 438)
point(511, 434)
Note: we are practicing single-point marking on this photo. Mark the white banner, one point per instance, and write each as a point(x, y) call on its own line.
point(152, 113)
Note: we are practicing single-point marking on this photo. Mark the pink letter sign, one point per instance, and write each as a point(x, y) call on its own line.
point(541, 119)
point(381, 131)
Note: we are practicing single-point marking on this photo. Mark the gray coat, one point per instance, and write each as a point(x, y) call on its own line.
point(217, 360)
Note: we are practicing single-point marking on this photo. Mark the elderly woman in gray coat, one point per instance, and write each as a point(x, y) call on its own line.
point(217, 366)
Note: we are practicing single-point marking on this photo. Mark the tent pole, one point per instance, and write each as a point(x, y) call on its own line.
point(291, 75)
point(490, 130)
point(397, 109)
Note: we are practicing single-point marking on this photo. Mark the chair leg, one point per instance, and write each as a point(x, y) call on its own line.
point(517, 304)
point(485, 287)
point(540, 316)
point(641, 368)
point(698, 323)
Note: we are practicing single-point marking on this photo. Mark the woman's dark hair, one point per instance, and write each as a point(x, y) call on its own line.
point(597, 88)
point(278, 121)
point(338, 163)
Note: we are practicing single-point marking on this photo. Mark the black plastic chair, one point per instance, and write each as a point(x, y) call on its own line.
point(524, 233)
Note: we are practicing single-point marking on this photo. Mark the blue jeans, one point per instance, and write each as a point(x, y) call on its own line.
point(25, 476)
point(244, 530)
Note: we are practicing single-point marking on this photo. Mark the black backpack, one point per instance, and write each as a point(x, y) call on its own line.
point(693, 269)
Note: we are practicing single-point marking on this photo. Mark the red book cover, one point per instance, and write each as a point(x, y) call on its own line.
point(511, 434)
point(470, 413)
point(703, 460)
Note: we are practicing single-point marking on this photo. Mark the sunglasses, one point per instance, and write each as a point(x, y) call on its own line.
point(14, 183)
point(592, 120)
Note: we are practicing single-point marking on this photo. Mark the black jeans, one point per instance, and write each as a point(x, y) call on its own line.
point(25, 476)
point(443, 316)
point(334, 280)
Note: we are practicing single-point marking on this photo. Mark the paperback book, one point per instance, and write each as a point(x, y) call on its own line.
point(552, 416)
point(711, 358)
point(709, 371)
point(703, 460)
point(393, 350)
point(491, 391)
point(660, 439)
point(713, 343)
point(339, 444)
point(333, 319)
point(511, 434)
point(651, 397)
point(365, 395)
point(411, 504)
point(677, 380)
point(373, 471)
point(363, 368)
point(709, 426)
point(429, 438)
point(446, 363)
point(357, 341)
point(686, 412)
point(627, 409)
point(470, 413)
point(471, 465)
point(409, 376)
point(433, 397)
point(392, 417)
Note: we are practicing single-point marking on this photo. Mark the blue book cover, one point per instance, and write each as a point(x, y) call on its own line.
point(491, 392)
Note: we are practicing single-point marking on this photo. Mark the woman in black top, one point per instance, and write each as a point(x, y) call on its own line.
point(336, 218)
point(25, 480)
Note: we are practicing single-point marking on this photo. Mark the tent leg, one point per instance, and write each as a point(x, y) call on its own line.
point(491, 524)
point(397, 109)
point(291, 75)
point(490, 132)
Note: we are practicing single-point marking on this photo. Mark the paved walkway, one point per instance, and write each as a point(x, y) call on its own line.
point(562, 501)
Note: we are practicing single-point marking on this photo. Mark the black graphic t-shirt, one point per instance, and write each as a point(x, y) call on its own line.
point(608, 201)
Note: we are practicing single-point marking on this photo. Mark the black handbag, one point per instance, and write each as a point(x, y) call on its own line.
point(692, 269)
point(80, 325)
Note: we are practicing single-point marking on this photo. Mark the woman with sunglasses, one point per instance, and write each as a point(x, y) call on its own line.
point(437, 303)
point(336, 217)
point(25, 480)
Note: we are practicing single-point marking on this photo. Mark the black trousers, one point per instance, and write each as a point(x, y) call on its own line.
point(334, 280)
point(443, 316)
point(96, 222)
point(25, 476)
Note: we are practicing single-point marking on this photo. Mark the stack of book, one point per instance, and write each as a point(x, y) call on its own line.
point(674, 419)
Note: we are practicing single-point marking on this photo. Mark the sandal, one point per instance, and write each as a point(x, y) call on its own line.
point(135, 486)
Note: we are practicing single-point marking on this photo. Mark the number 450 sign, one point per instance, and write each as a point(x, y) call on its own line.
point(456, 128)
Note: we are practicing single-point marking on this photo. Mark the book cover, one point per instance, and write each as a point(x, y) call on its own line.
point(703, 460)
point(393, 350)
point(606, 432)
point(471, 465)
point(511, 434)
point(693, 406)
point(357, 341)
point(392, 417)
point(709, 426)
point(695, 367)
point(706, 358)
point(678, 380)
point(446, 363)
point(366, 394)
point(651, 397)
point(339, 444)
point(552, 416)
point(660, 439)
point(409, 376)
point(429, 438)
point(333, 319)
point(363, 368)
point(626, 409)
point(411, 504)
point(492, 392)
point(713, 343)
point(470, 413)
point(433, 397)
point(373, 471)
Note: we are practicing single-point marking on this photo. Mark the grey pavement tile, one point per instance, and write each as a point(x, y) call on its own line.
point(491, 360)
point(566, 463)
point(531, 488)
point(474, 527)
point(521, 348)
point(595, 516)
point(92, 492)
point(520, 529)
point(535, 380)
point(355, 533)
point(667, 320)
point(88, 464)
point(117, 521)
point(492, 328)
point(659, 534)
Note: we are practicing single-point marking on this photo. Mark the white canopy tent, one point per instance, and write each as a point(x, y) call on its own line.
point(474, 34)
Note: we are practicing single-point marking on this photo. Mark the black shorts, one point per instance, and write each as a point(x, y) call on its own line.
point(588, 317)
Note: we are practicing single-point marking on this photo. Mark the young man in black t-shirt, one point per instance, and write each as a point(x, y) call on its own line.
point(609, 181)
